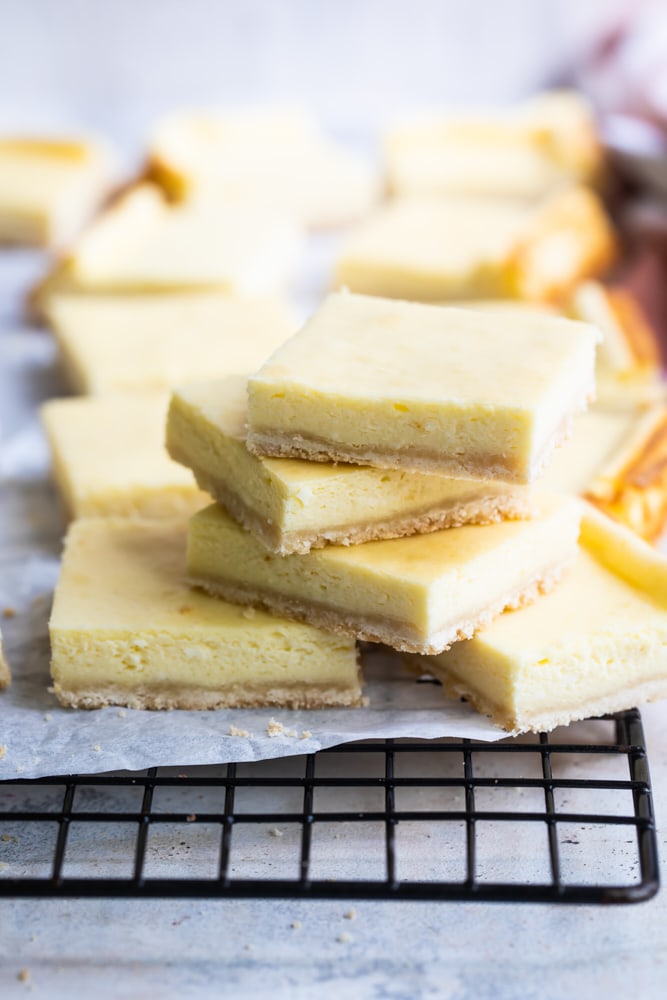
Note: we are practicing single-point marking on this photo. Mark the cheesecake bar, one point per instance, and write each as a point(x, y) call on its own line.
point(628, 359)
point(418, 594)
point(127, 630)
point(521, 152)
point(49, 188)
point(431, 388)
point(143, 243)
point(429, 250)
point(137, 343)
point(617, 459)
point(596, 644)
point(293, 506)
point(280, 160)
point(108, 458)
point(5, 674)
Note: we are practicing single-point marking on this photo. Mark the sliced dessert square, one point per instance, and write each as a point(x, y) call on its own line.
point(429, 250)
point(109, 458)
point(419, 594)
point(127, 630)
point(139, 343)
point(49, 187)
point(394, 384)
point(597, 643)
point(293, 506)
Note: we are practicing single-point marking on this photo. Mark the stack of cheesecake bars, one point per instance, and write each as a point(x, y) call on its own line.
point(377, 480)
point(388, 475)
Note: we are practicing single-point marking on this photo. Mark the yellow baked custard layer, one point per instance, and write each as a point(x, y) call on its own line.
point(127, 630)
point(596, 643)
point(109, 458)
point(397, 384)
point(143, 243)
point(617, 459)
point(428, 250)
point(419, 594)
point(293, 506)
point(49, 187)
point(139, 343)
point(280, 160)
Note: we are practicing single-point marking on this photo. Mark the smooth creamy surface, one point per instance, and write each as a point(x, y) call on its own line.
point(142, 342)
point(591, 645)
point(280, 160)
point(454, 384)
point(422, 584)
point(143, 243)
point(432, 250)
point(123, 616)
point(109, 458)
point(48, 187)
point(206, 430)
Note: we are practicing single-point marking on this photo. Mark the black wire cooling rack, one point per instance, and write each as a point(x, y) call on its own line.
point(529, 819)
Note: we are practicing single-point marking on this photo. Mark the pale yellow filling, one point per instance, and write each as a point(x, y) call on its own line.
point(109, 458)
point(601, 632)
point(152, 342)
point(124, 617)
point(423, 584)
point(206, 430)
point(453, 385)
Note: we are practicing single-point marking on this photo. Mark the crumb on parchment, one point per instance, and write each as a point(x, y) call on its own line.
point(276, 728)
point(344, 938)
point(306, 734)
point(24, 976)
point(3, 750)
point(295, 925)
point(9, 612)
point(350, 915)
point(235, 731)
point(275, 832)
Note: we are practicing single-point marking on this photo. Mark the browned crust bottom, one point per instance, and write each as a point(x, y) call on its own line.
point(512, 505)
point(543, 721)
point(398, 635)
point(236, 696)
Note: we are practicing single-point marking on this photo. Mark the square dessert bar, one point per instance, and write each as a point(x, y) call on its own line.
point(109, 458)
point(432, 388)
point(596, 644)
point(418, 594)
point(143, 243)
point(127, 630)
point(617, 459)
point(293, 506)
point(49, 187)
point(280, 160)
point(139, 343)
point(435, 250)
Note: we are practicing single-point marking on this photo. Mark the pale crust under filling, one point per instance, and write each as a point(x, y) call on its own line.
point(541, 720)
point(292, 444)
point(480, 510)
point(374, 628)
point(244, 695)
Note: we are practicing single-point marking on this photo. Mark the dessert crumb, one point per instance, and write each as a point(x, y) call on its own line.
point(7, 838)
point(97, 748)
point(275, 832)
point(47, 717)
point(191, 818)
point(351, 914)
point(344, 938)
point(122, 713)
point(306, 734)
point(236, 731)
point(9, 612)
point(276, 728)
point(295, 924)
point(24, 976)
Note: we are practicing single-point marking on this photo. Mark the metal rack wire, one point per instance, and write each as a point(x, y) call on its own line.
point(298, 821)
